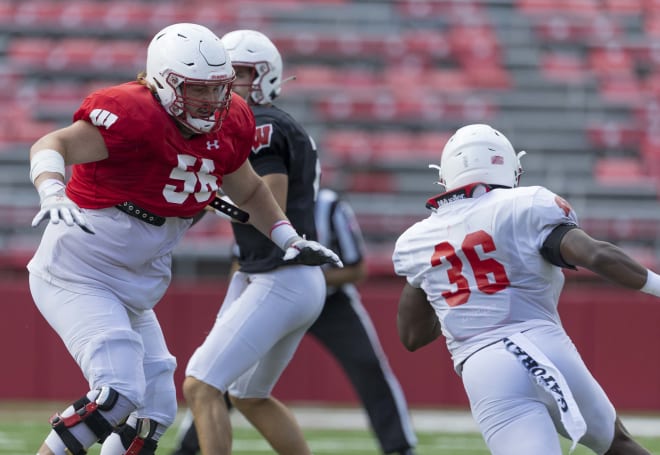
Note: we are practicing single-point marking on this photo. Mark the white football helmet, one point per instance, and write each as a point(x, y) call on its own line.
point(182, 56)
point(255, 50)
point(479, 153)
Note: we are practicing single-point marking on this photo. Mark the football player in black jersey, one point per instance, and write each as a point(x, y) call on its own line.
point(271, 300)
point(281, 149)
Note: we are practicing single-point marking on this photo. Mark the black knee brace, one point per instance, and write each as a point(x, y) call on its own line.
point(139, 441)
point(87, 412)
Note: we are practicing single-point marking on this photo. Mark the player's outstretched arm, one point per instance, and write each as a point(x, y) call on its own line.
point(78, 143)
point(609, 261)
point(250, 193)
point(416, 320)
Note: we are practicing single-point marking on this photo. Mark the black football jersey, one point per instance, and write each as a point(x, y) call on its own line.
point(281, 146)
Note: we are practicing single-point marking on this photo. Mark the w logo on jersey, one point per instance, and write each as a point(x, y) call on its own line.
point(262, 137)
point(101, 117)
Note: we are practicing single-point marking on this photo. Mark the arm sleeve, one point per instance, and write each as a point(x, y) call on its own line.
point(550, 249)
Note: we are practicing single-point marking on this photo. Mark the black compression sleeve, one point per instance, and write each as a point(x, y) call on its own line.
point(550, 249)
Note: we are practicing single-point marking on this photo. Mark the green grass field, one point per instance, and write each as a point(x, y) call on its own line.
point(24, 425)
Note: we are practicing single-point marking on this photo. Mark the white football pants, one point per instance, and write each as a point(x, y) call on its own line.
point(258, 329)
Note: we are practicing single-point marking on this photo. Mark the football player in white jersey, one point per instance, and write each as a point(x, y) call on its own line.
point(484, 270)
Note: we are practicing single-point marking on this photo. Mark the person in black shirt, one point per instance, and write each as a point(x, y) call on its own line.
point(344, 326)
point(272, 300)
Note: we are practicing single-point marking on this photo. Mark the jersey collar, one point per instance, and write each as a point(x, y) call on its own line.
point(464, 192)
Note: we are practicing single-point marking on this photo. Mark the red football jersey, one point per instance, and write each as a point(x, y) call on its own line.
point(149, 161)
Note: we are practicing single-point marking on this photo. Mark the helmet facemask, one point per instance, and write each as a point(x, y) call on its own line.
point(199, 104)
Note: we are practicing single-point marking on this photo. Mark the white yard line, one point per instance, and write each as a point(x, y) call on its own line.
point(427, 420)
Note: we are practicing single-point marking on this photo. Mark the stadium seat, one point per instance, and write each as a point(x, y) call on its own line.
point(119, 55)
point(128, 15)
point(614, 135)
point(371, 182)
point(81, 14)
point(622, 90)
point(72, 53)
point(611, 60)
point(620, 171)
point(49, 98)
point(346, 146)
point(17, 126)
point(651, 6)
point(542, 7)
point(7, 9)
point(434, 9)
point(35, 14)
point(624, 7)
point(563, 67)
point(24, 53)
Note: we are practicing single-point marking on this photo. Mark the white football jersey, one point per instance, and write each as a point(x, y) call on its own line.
point(478, 261)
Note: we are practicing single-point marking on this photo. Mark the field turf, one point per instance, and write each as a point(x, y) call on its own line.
point(24, 425)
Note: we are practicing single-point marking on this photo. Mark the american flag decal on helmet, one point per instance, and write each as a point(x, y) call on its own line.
point(497, 159)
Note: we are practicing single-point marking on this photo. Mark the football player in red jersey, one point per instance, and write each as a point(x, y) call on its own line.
point(484, 270)
point(146, 156)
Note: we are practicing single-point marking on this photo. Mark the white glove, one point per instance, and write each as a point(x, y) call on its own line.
point(56, 206)
point(308, 252)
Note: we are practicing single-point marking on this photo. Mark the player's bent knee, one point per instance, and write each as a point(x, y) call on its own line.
point(245, 405)
point(100, 410)
point(195, 390)
point(161, 378)
point(107, 357)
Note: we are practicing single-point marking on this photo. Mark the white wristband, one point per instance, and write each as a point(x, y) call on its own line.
point(46, 160)
point(652, 285)
point(283, 234)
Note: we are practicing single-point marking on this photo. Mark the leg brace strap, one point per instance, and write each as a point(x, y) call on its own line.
point(139, 441)
point(85, 411)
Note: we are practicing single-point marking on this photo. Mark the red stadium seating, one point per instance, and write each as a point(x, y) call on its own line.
point(624, 7)
point(28, 52)
point(564, 67)
point(542, 7)
point(371, 182)
point(623, 90)
point(359, 147)
point(611, 60)
point(614, 136)
point(620, 171)
point(17, 126)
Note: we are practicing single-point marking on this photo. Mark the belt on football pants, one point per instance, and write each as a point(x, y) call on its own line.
point(141, 214)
